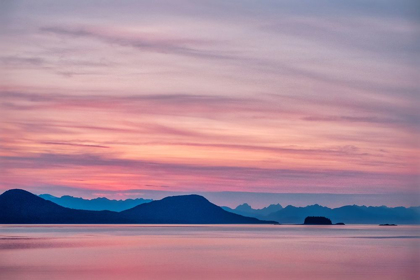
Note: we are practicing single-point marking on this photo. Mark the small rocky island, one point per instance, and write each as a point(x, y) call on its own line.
point(388, 225)
point(317, 221)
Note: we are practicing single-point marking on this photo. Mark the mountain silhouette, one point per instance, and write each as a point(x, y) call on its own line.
point(186, 209)
point(349, 214)
point(246, 210)
point(22, 207)
point(97, 204)
point(19, 206)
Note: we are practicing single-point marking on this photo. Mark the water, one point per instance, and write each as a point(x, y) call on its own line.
point(208, 252)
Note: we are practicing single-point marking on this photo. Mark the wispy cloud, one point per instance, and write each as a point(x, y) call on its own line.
point(159, 43)
point(205, 105)
point(209, 177)
point(345, 33)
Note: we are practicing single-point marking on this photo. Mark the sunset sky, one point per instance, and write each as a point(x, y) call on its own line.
point(128, 98)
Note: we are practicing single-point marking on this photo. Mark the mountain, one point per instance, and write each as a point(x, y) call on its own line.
point(96, 204)
point(186, 209)
point(22, 207)
point(246, 210)
point(350, 214)
point(19, 206)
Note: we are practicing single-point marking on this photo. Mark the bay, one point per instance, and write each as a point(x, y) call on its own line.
point(70, 252)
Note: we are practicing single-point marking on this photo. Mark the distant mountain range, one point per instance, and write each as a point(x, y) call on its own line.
point(22, 207)
point(246, 210)
point(96, 204)
point(19, 206)
point(350, 214)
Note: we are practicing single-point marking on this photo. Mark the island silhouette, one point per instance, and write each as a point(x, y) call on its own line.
point(317, 221)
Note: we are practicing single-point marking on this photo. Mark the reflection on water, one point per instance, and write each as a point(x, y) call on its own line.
point(208, 252)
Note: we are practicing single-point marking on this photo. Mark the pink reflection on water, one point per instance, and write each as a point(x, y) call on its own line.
point(209, 252)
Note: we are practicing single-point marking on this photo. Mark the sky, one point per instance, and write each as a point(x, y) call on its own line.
point(262, 98)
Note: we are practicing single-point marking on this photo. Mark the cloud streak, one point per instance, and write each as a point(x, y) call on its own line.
point(209, 177)
point(142, 41)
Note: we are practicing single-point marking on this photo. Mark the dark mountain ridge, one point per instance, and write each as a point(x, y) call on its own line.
point(19, 206)
point(196, 209)
point(22, 207)
point(350, 214)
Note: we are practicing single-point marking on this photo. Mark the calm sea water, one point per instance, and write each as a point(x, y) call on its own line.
point(209, 252)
